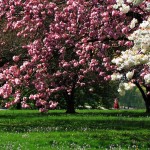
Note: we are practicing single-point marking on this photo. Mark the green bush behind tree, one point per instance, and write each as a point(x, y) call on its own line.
point(132, 98)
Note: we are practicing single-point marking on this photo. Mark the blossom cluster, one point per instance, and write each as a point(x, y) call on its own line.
point(124, 6)
point(124, 87)
point(139, 54)
point(130, 58)
point(136, 60)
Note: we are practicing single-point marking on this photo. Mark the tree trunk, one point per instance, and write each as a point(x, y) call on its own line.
point(18, 106)
point(70, 105)
point(147, 103)
point(70, 98)
point(146, 96)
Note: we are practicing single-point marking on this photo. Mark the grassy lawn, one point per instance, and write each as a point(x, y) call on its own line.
point(86, 130)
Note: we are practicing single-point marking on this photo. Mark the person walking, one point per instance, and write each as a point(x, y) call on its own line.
point(116, 104)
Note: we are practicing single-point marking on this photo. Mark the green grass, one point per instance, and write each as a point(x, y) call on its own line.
point(86, 130)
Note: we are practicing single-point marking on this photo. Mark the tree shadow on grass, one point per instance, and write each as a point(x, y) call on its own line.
point(28, 121)
point(114, 113)
point(69, 126)
point(29, 114)
point(12, 114)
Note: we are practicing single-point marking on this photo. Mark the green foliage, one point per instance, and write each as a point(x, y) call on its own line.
point(88, 129)
point(102, 95)
point(132, 98)
point(109, 93)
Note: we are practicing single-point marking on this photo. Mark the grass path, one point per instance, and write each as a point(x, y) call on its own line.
point(86, 130)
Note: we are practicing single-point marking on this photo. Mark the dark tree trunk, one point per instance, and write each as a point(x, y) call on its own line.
point(18, 106)
point(70, 98)
point(70, 105)
point(148, 99)
point(146, 96)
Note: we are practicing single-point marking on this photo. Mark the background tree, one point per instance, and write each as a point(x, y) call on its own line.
point(65, 45)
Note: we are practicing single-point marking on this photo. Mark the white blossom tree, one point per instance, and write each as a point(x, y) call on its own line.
point(133, 65)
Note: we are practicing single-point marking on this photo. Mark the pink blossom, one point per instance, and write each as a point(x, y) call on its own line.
point(43, 110)
point(25, 105)
point(53, 104)
point(16, 58)
point(17, 81)
point(7, 105)
point(2, 76)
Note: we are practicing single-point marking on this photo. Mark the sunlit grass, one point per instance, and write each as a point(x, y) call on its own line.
point(88, 129)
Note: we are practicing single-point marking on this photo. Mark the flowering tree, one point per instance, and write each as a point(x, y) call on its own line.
point(59, 46)
point(133, 65)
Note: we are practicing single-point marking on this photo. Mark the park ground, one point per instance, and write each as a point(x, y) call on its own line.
point(85, 130)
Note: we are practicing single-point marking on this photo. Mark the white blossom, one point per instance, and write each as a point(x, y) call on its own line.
point(130, 1)
point(148, 6)
point(121, 86)
point(144, 24)
point(124, 8)
point(129, 75)
point(147, 78)
point(116, 76)
point(115, 6)
point(133, 22)
point(125, 86)
point(121, 92)
point(140, 53)
point(120, 2)
point(128, 86)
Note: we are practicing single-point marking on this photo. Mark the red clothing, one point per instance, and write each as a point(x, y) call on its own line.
point(116, 105)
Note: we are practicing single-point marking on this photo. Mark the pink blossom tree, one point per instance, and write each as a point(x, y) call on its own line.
point(59, 46)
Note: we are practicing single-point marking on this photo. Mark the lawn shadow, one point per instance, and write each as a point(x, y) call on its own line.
point(59, 121)
point(12, 114)
point(114, 113)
